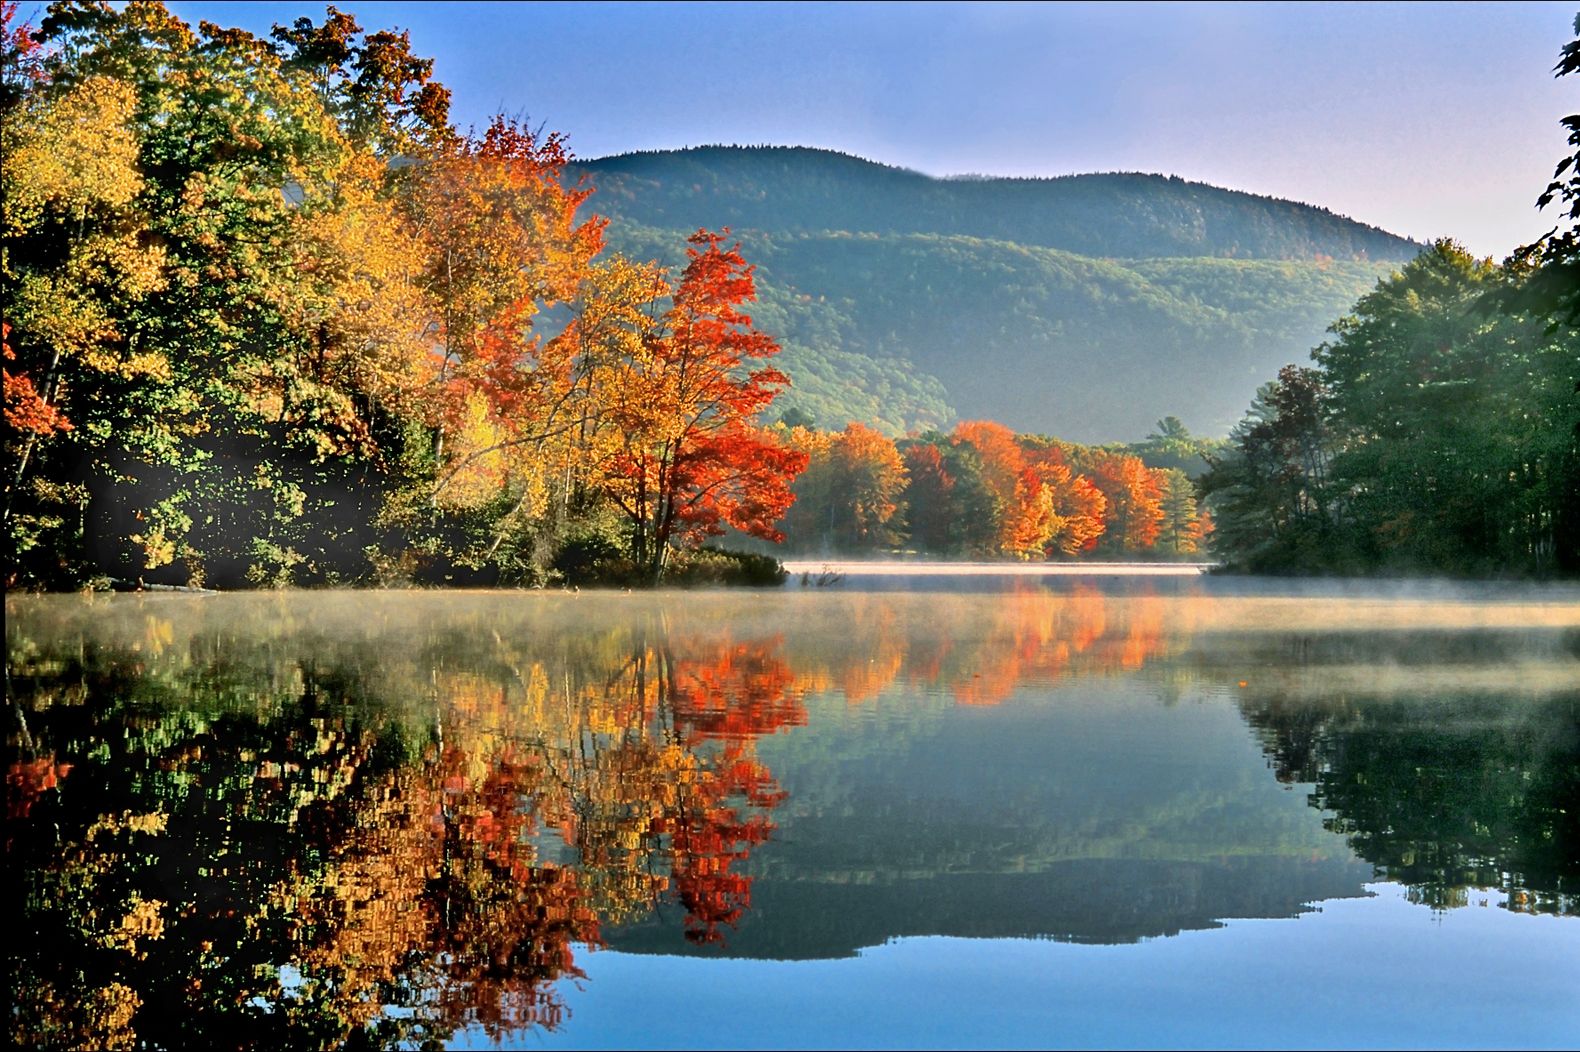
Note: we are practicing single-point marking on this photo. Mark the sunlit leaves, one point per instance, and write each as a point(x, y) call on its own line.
point(77, 250)
point(383, 95)
point(1132, 497)
point(77, 155)
point(271, 314)
point(848, 498)
point(691, 457)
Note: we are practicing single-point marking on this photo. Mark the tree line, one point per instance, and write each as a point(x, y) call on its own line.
point(984, 491)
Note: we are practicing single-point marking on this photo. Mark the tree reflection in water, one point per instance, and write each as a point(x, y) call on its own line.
point(239, 852)
point(310, 821)
point(1444, 794)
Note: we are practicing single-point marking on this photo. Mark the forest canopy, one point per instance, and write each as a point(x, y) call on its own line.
point(271, 318)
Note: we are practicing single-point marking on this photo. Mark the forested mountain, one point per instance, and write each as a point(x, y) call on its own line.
point(1083, 306)
point(1120, 214)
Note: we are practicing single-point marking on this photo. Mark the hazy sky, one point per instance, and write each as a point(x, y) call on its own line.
point(1427, 119)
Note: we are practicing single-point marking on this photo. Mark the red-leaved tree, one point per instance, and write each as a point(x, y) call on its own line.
point(691, 458)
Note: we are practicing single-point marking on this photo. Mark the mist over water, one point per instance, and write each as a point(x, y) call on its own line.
point(471, 816)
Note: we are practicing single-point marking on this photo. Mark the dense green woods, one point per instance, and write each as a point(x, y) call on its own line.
point(1438, 429)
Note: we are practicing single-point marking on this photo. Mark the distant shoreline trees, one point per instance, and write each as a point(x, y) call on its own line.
point(982, 491)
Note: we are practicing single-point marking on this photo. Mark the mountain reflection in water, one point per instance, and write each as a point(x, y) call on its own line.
point(297, 820)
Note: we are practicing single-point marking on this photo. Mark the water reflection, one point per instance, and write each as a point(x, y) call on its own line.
point(1446, 795)
point(282, 837)
point(304, 820)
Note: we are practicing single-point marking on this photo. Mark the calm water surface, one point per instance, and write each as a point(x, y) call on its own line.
point(1010, 812)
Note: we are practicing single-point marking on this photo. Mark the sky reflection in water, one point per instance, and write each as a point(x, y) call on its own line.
point(1362, 973)
point(1053, 813)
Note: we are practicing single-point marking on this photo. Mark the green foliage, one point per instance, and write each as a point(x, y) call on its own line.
point(590, 559)
point(594, 563)
point(1438, 433)
point(704, 567)
point(1180, 531)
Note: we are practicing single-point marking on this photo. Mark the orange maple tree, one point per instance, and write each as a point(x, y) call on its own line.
point(1134, 496)
point(26, 410)
point(497, 226)
point(1046, 507)
point(1078, 506)
point(692, 458)
point(1002, 459)
point(849, 495)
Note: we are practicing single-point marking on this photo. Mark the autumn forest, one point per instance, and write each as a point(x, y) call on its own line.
point(272, 319)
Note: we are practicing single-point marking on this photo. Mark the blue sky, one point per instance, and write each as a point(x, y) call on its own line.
point(1426, 119)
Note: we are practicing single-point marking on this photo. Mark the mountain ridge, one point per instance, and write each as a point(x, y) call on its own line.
point(1087, 307)
point(1195, 215)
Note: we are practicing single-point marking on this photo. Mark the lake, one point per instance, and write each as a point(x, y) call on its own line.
point(912, 810)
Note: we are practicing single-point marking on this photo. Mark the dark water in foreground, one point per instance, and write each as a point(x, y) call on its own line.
point(1056, 812)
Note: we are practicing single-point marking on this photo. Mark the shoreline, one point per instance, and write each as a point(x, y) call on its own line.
point(933, 568)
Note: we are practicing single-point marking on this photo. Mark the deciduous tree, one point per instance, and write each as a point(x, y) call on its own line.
point(848, 498)
point(692, 457)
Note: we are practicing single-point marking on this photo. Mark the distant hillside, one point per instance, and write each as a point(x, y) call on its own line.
point(1125, 215)
point(1087, 306)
